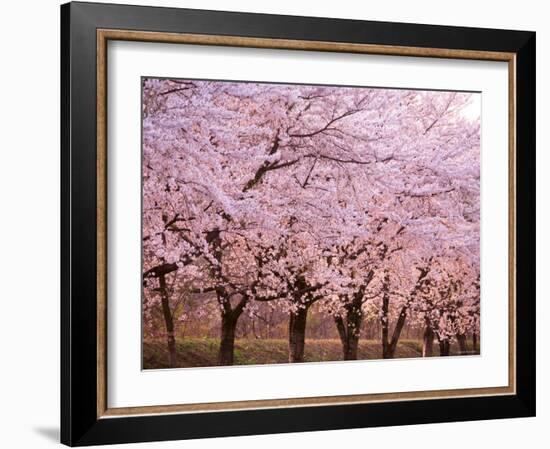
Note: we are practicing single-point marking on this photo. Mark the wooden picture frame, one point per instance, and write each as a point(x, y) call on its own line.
point(86, 418)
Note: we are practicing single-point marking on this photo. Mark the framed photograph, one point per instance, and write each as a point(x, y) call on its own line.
point(283, 224)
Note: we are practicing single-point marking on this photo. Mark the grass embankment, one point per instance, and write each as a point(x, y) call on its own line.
point(195, 352)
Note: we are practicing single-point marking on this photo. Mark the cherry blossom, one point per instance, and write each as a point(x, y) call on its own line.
point(357, 201)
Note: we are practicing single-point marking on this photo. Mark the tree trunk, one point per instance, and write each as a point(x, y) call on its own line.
point(168, 321)
point(385, 320)
point(341, 327)
point(389, 348)
point(428, 342)
point(297, 335)
point(397, 332)
point(462, 347)
point(474, 341)
point(227, 342)
point(229, 318)
point(348, 337)
point(352, 347)
point(444, 347)
point(350, 328)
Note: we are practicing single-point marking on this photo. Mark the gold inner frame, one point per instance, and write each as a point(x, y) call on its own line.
point(104, 35)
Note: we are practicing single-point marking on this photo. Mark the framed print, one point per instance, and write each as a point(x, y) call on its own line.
point(279, 224)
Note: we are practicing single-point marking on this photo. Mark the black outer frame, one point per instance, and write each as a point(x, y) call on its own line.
point(79, 423)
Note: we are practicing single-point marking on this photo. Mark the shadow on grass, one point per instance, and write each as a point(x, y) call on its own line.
point(203, 352)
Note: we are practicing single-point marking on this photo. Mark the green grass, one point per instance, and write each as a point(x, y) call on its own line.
point(195, 352)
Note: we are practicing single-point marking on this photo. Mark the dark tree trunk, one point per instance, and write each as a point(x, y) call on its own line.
point(352, 347)
point(474, 341)
point(227, 342)
point(444, 347)
point(390, 347)
point(297, 335)
point(230, 317)
point(349, 329)
point(348, 338)
point(168, 321)
point(428, 342)
point(397, 332)
point(341, 327)
point(462, 347)
point(385, 319)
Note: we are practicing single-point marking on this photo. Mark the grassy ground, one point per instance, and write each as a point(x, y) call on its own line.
point(194, 352)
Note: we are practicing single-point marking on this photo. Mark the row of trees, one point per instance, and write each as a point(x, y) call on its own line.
point(353, 200)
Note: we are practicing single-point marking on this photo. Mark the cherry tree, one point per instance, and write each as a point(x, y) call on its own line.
point(298, 195)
